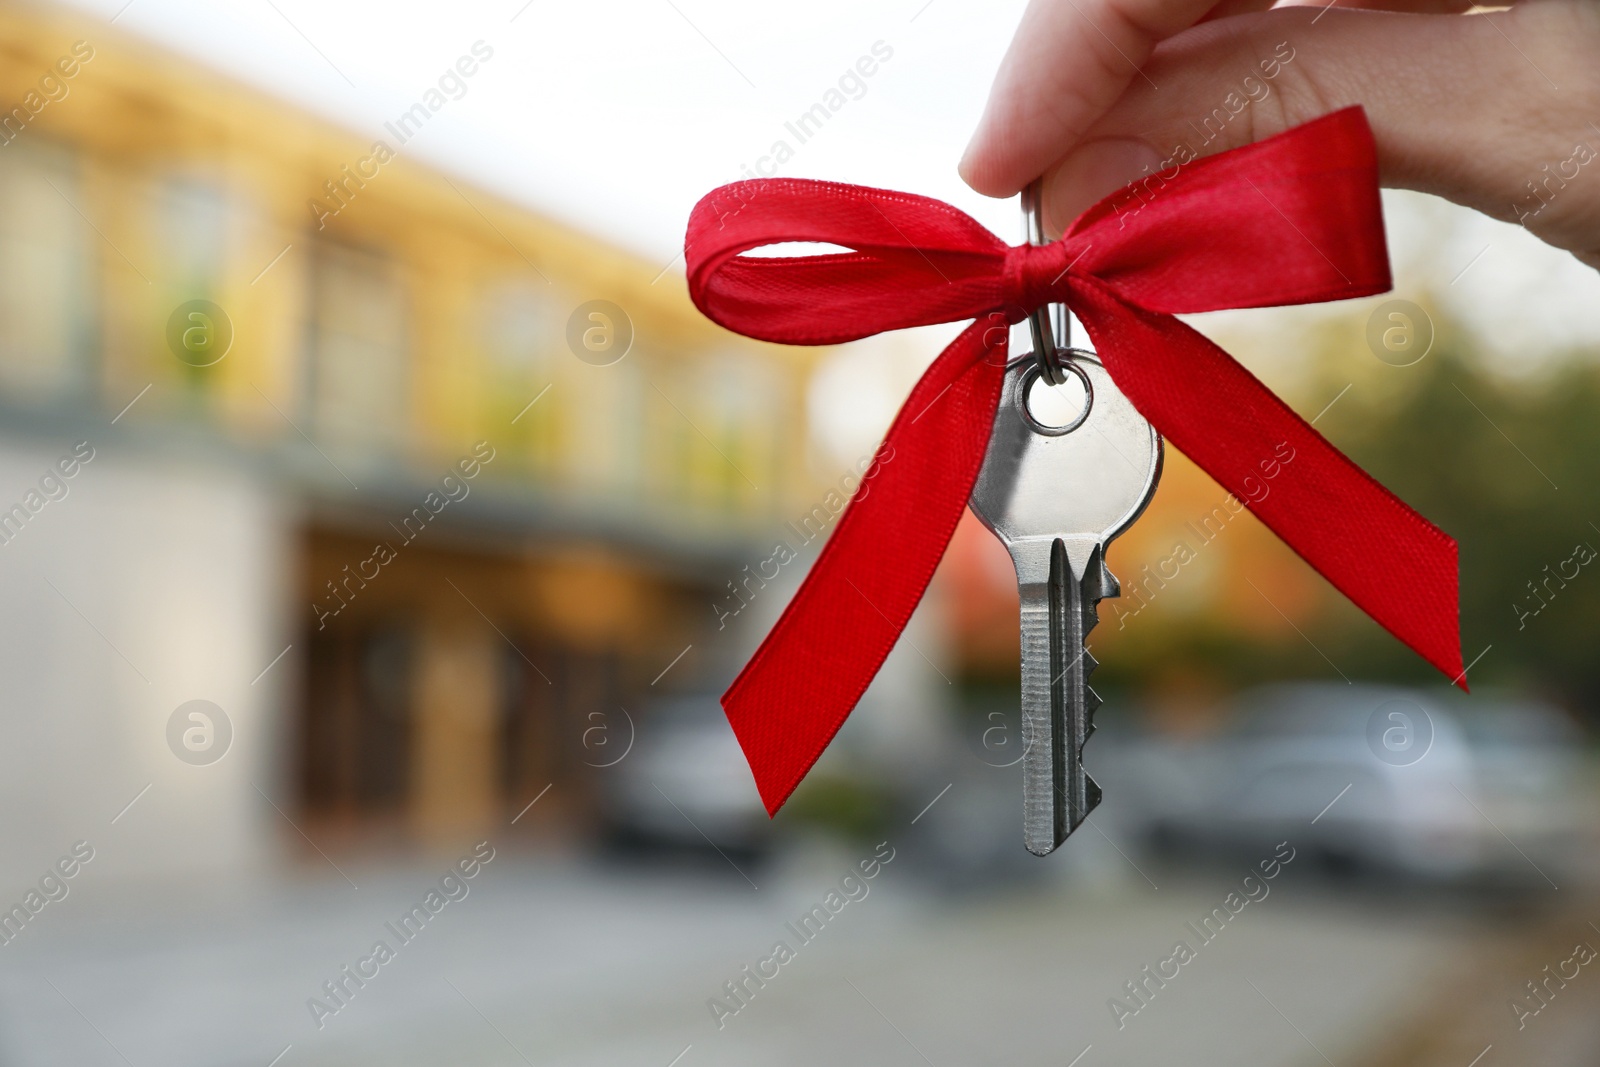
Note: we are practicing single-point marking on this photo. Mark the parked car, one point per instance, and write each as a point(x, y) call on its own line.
point(1414, 782)
point(685, 783)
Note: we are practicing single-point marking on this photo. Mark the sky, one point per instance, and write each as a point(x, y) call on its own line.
point(617, 115)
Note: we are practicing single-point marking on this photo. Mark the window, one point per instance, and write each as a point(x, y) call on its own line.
point(521, 330)
point(604, 411)
point(359, 390)
point(736, 425)
point(190, 222)
point(522, 327)
point(45, 313)
point(192, 225)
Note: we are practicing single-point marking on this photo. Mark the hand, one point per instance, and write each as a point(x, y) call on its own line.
point(1499, 111)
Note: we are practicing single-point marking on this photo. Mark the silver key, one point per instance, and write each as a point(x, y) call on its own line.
point(1056, 497)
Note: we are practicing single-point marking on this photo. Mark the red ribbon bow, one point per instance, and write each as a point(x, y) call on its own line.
point(1291, 220)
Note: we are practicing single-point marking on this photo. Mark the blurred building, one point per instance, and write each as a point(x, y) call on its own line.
point(374, 444)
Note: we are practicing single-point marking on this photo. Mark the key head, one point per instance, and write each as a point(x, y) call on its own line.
point(1084, 486)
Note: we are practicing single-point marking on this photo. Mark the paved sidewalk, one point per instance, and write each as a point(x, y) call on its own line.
point(560, 961)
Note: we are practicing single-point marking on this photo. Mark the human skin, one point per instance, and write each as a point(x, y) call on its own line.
point(1468, 106)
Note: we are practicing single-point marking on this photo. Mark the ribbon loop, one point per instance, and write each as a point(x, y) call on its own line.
point(1293, 219)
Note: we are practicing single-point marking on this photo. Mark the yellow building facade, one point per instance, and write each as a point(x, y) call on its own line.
point(506, 524)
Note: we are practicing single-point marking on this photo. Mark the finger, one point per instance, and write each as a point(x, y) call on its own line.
point(1490, 110)
point(1226, 8)
point(1069, 61)
point(1417, 7)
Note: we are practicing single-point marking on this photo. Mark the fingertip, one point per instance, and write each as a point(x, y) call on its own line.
point(967, 169)
point(977, 167)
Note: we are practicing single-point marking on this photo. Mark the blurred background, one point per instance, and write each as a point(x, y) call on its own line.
point(379, 524)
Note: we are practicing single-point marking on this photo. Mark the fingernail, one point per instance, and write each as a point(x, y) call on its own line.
point(1090, 173)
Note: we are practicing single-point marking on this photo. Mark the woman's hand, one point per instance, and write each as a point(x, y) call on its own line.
point(1499, 111)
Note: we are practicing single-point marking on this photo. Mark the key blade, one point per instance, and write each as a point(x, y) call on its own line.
point(1069, 667)
point(1040, 590)
point(1079, 698)
point(1058, 704)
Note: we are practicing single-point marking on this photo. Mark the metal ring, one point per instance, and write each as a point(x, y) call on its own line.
point(1045, 358)
point(1033, 373)
point(1046, 340)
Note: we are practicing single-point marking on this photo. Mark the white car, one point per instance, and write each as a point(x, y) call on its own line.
point(1418, 782)
point(685, 783)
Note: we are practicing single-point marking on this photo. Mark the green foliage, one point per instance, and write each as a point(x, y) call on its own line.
point(853, 807)
point(1511, 470)
point(1513, 473)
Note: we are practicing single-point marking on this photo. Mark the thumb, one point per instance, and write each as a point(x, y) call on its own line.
point(1492, 111)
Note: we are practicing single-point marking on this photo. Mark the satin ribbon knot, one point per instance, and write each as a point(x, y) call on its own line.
point(1035, 276)
point(1290, 220)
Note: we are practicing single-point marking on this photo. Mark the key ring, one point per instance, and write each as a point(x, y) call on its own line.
point(1045, 351)
point(1051, 362)
point(1034, 373)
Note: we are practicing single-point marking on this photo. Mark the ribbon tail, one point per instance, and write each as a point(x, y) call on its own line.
point(1390, 561)
point(795, 693)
